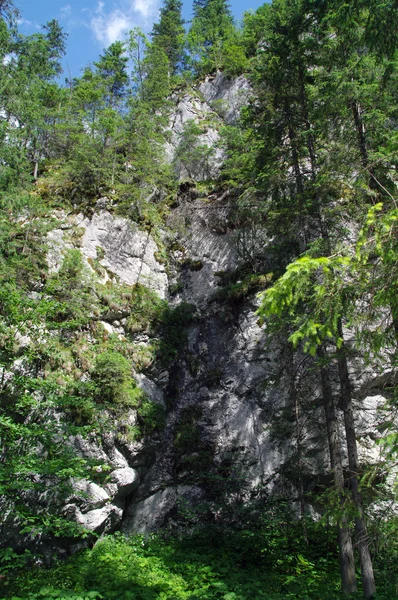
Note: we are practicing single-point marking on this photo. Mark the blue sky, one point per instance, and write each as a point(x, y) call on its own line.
point(94, 24)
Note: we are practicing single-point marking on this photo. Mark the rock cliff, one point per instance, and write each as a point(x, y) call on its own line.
point(230, 429)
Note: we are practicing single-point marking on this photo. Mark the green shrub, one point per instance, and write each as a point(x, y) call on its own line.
point(151, 416)
point(113, 380)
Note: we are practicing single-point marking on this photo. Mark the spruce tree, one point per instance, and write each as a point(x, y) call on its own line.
point(169, 34)
point(111, 68)
point(212, 26)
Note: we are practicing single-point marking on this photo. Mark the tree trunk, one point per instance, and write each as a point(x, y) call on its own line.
point(290, 370)
point(36, 169)
point(362, 143)
point(298, 176)
point(347, 564)
point(368, 580)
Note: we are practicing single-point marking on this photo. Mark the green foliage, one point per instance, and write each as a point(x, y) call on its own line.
point(147, 309)
point(169, 34)
point(193, 155)
point(212, 30)
point(111, 68)
point(173, 327)
point(113, 380)
point(151, 416)
point(308, 284)
point(236, 287)
point(72, 289)
point(270, 561)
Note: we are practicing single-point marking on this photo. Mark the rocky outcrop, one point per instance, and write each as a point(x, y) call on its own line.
point(116, 244)
point(226, 95)
point(100, 508)
point(194, 146)
point(207, 247)
point(227, 396)
point(230, 431)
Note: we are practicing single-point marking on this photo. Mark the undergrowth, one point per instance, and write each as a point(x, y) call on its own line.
point(207, 564)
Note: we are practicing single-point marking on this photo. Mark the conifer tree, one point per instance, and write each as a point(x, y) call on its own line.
point(111, 68)
point(291, 167)
point(169, 34)
point(212, 25)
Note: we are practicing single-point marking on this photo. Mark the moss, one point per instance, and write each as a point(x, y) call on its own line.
point(96, 266)
point(151, 416)
point(176, 288)
point(76, 236)
point(192, 265)
point(236, 286)
point(161, 257)
point(100, 252)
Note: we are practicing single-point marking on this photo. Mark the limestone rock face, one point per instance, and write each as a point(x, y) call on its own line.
point(231, 413)
point(227, 95)
point(216, 101)
point(99, 520)
point(230, 430)
point(118, 245)
point(150, 513)
point(202, 158)
point(209, 248)
point(125, 480)
point(99, 506)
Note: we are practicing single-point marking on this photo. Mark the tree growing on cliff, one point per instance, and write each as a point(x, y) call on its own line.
point(212, 28)
point(169, 34)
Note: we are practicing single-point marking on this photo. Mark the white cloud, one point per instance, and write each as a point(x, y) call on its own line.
point(109, 26)
point(146, 8)
point(66, 10)
point(25, 23)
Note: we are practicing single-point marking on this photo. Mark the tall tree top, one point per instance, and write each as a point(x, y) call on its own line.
point(112, 67)
point(169, 33)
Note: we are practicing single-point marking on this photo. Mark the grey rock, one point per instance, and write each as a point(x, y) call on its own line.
point(100, 521)
point(220, 100)
point(125, 479)
point(128, 252)
point(153, 391)
point(103, 203)
point(190, 108)
point(150, 514)
point(231, 94)
point(57, 244)
point(119, 246)
point(89, 495)
point(217, 251)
